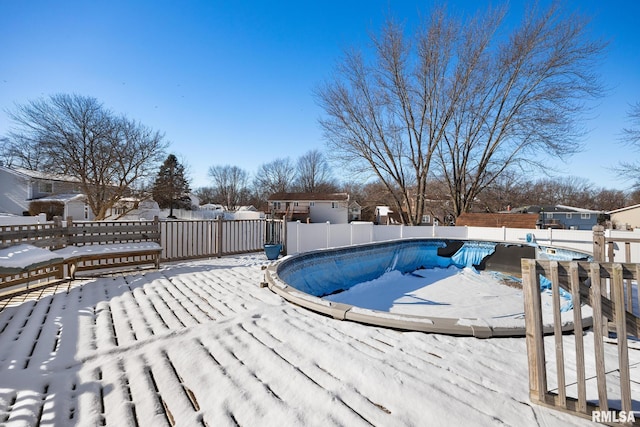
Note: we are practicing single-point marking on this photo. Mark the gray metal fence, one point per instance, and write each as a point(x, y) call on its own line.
point(182, 240)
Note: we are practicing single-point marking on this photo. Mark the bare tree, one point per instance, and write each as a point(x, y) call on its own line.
point(630, 170)
point(460, 102)
point(206, 195)
point(230, 184)
point(277, 176)
point(76, 136)
point(314, 174)
point(608, 200)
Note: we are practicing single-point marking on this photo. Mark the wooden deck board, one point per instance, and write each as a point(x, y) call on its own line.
point(205, 345)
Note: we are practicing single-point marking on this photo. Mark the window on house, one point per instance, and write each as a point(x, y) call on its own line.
point(549, 215)
point(569, 216)
point(296, 203)
point(334, 205)
point(426, 219)
point(312, 204)
point(585, 216)
point(277, 205)
point(45, 187)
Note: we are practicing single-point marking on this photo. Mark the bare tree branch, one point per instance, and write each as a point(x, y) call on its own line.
point(460, 101)
point(76, 136)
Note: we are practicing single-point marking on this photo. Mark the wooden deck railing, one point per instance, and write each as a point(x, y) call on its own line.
point(602, 287)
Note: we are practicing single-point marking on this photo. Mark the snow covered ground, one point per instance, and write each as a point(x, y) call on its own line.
point(445, 292)
point(201, 344)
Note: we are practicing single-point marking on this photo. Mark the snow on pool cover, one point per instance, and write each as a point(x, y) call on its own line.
point(422, 284)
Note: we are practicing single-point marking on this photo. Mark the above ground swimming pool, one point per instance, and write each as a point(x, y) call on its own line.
point(432, 285)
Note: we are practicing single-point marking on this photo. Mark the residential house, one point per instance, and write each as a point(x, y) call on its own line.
point(627, 218)
point(310, 207)
point(19, 187)
point(384, 216)
point(75, 206)
point(355, 211)
point(563, 217)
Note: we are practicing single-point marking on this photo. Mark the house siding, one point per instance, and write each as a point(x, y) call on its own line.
point(323, 212)
point(627, 218)
point(57, 187)
point(14, 190)
point(570, 220)
point(18, 190)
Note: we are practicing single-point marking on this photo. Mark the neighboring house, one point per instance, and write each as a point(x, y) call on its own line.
point(355, 211)
point(384, 216)
point(627, 218)
point(75, 206)
point(133, 209)
point(310, 207)
point(563, 217)
point(18, 187)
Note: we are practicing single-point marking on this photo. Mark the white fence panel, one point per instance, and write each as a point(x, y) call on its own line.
point(339, 235)
point(307, 237)
point(361, 232)
point(409, 232)
point(619, 247)
point(494, 234)
point(449, 232)
point(574, 239)
point(23, 220)
point(386, 232)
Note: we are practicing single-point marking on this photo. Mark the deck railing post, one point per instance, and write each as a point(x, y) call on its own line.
point(598, 243)
point(534, 335)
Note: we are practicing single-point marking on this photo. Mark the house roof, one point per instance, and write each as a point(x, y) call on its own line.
point(64, 198)
point(510, 220)
point(552, 208)
point(333, 197)
point(42, 175)
point(626, 208)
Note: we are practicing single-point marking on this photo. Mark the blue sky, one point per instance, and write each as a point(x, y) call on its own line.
point(231, 82)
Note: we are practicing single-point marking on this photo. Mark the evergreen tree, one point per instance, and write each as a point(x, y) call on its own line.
point(171, 187)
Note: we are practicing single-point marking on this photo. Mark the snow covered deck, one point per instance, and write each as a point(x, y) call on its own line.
point(200, 343)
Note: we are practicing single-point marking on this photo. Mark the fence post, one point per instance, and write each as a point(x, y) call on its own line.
point(598, 243)
point(284, 236)
point(328, 234)
point(219, 235)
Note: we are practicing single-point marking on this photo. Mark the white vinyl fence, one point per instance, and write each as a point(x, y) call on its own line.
point(23, 220)
point(303, 237)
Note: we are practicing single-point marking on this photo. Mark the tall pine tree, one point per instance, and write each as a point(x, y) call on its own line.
point(170, 187)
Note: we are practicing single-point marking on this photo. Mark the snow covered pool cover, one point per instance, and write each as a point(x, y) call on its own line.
point(429, 285)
